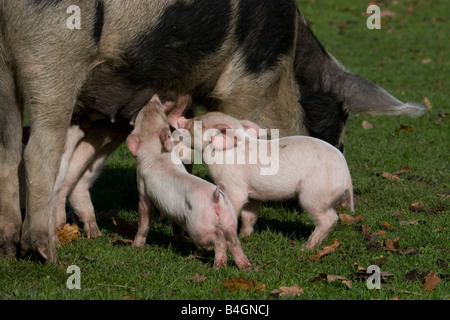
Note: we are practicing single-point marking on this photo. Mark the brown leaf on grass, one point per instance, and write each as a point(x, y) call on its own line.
point(392, 245)
point(389, 176)
point(366, 125)
point(445, 194)
point(417, 207)
point(427, 103)
point(373, 244)
point(420, 207)
point(290, 292)
point(397, 214)
point(408, 222)
point(326, 250)
point(405, 129)
point(386, 225)
point(332, 278)
point(347, 219)
point(243, 284)
point(431, 281)
point(403, 170)
point(426, 61)
point(68, 233)
point(198, 278)
point(365, 230)
point(387, 14)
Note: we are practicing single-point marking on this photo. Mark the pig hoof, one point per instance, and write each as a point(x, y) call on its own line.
point(245, 266)
point(92, 231)
point(219, 264)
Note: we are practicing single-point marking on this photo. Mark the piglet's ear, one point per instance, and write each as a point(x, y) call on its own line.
point(222, 141)
point(166, 139)
point(251, 128)
point(180, 123)
point(155, 98)
point(133, 142)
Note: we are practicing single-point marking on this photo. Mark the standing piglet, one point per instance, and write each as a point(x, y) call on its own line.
point(200, 207)
point(253, 170)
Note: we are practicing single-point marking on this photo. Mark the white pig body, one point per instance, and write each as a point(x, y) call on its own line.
point(308, 169)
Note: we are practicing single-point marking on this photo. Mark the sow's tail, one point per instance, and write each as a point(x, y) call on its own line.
point(320, 76)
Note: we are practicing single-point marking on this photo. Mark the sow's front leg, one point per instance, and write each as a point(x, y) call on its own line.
point(10, 157)
point(51, 63)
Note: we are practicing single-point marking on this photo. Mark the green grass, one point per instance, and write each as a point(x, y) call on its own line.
point(391, 57)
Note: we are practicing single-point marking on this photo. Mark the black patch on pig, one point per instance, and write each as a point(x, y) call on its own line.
point(164, 56)
point(266, 31)
point(99, 20)
point(324, 116)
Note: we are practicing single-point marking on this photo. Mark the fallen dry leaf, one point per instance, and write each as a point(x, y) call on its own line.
point(431, 281)
point(290, 292)
point(365, 230)
point(409, 251)
point(243, 284)
point(389, 176)
point(68, 233)
point(347, 219)
point(391, 245)
point(386, 225)
point(198, 278)
point(426, 61)
point(409, 222)
point(326, 250)
point(366, 125)
point(332, 278)
point(445, 194)
point(420, 207)
point(387, 14)
point(403, 128)
point(427, 103)
point(403, 170)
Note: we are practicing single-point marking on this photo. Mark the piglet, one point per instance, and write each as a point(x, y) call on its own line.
point(200, 207)
point(305, 168)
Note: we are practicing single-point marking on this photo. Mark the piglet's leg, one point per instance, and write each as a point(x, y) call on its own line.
point(220, 249)
point(249, 215)
point(145, 210)
point(325, 222)
point(80, 198)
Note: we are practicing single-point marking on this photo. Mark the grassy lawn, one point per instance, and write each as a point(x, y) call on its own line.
point(409, 57)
